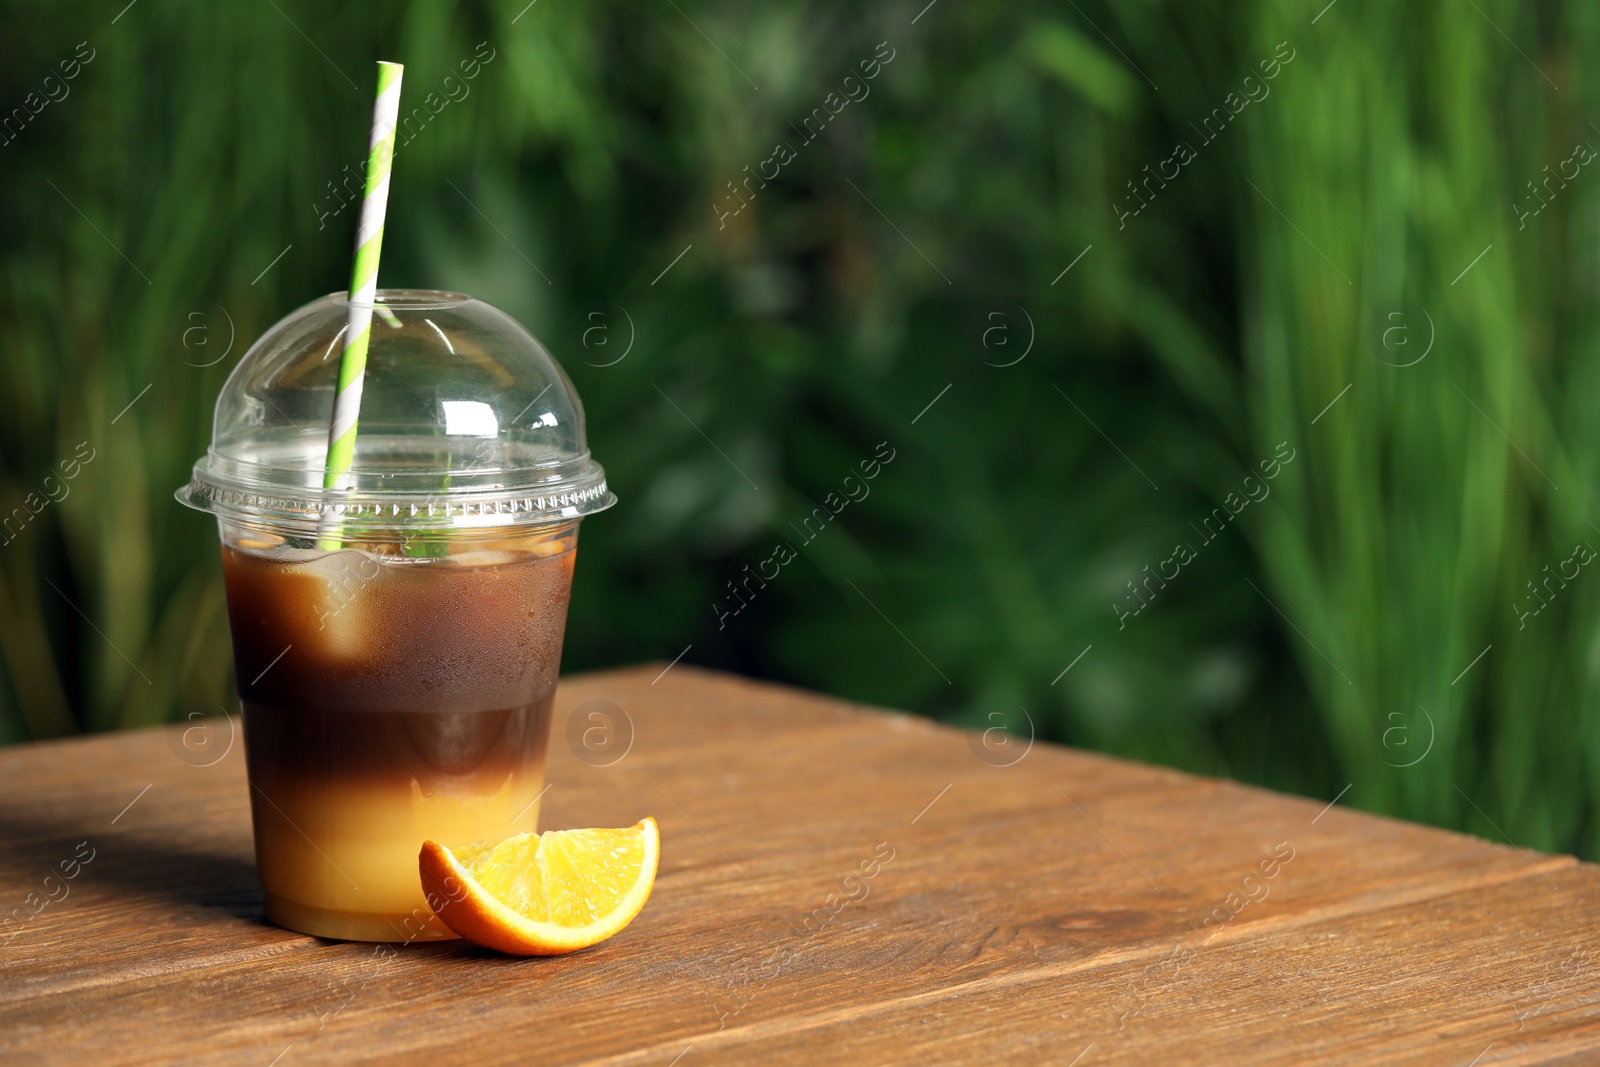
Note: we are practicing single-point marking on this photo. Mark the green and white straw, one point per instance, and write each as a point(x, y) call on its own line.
point(363, 283)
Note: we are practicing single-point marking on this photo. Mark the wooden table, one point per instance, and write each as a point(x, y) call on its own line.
point(837, 885)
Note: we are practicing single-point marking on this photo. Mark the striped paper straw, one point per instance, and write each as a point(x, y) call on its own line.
point(363, 282)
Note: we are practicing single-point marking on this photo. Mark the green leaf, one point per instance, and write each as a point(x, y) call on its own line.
point(1066, 55)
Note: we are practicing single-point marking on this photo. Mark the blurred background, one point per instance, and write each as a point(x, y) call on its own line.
point(1236, 361)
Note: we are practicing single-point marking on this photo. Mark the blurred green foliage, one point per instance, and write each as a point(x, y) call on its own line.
point(172, 198)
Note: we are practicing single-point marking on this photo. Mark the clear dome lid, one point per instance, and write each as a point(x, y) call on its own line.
point(466, 421)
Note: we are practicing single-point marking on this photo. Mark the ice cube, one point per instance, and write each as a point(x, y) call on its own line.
point(339, 591)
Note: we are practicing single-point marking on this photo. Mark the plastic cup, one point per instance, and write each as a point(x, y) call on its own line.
point(397, 638)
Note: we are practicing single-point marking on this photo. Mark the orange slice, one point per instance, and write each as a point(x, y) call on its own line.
point(543, 894)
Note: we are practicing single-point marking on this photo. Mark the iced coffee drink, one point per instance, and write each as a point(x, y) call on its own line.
point(390, 700)
point(397, 638)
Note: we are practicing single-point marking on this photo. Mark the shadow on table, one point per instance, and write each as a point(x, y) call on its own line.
point(188, 875)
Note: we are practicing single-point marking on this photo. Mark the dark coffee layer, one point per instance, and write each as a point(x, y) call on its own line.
point(345, 633)
point(446, 751)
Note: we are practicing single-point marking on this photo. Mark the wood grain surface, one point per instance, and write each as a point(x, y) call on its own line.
point(837, 885)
